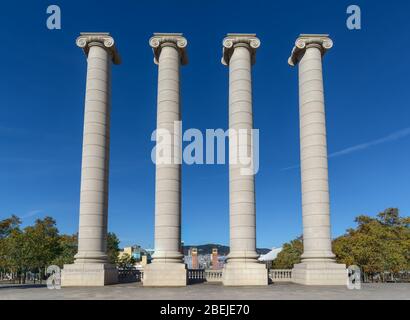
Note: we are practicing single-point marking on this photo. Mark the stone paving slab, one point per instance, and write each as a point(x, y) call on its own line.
point(135, 291)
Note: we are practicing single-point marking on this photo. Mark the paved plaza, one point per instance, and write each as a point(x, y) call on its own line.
point(135, 291)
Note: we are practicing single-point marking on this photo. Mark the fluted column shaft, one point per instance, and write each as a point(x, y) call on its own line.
point(168, 176)
point(242, 268)
point(168, 268)
point(92, 235)
point(313, 157)
point(318, 266)
point(308, 53)
point(241, 187)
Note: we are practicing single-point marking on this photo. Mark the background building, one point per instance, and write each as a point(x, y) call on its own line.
point(141, 255)
point(270, 256)
point(195, 260)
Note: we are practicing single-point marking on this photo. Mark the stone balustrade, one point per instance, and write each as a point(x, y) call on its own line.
point(213, 275)
point(133, 275)
point(201, 275)
point(196, 274)
point(280, 275)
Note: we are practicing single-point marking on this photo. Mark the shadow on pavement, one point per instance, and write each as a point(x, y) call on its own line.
point(22, 286)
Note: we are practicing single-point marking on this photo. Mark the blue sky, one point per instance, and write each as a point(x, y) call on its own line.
point(42, 86)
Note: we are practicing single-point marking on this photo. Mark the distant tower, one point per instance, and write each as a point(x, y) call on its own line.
point(214, 259)
point(194, 255)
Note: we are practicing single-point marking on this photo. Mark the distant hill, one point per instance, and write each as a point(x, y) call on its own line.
point(222, 250)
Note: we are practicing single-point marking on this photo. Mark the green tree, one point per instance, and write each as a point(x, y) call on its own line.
point(18, 251)
point(126, 261)
point(68, 245)
point(377, 244)
point(289, 255)
point(113, 247)
point(43, 241)
point(7, 227)
point(40, 245)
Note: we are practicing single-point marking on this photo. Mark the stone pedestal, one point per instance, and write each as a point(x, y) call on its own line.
point(320, 273)
point(245, 274)
point(91, 267)
point(242, 268)
point(88, 274)
point(165, 275)
point(318, 266)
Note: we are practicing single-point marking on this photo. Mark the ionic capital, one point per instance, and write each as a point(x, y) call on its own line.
point(176, 40)
point(88, 39)
point(305, 41)
point(233, 40)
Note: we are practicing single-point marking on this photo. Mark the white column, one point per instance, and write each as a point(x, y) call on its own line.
point(91, 265)
point(168, 268)
point(168, 176)
point(242, 267)
point(318, 265)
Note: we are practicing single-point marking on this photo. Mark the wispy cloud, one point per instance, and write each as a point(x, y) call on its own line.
point(31, 213)
point(389, 138)
point(290, 167)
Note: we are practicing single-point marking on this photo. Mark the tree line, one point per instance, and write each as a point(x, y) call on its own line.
point(33, 248)
point(377, 245)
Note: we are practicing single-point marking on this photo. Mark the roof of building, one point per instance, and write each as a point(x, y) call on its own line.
point(271, 255)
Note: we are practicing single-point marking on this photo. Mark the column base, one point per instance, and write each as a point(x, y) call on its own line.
point(245, 274)
point(320, 273)
point(88, 275)
point(165, 275)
